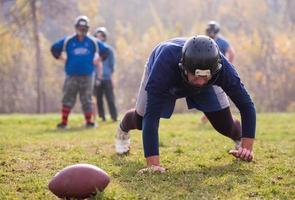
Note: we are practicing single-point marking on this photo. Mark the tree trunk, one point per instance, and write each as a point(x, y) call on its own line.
point(39, 63)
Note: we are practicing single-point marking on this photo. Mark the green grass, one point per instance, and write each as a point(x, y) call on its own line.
point(32, 151)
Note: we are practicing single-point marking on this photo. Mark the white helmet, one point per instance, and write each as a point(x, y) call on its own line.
point(82, 21)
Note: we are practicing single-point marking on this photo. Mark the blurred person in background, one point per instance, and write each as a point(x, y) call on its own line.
point(213, 31)
point(105, 85)
point(82, 54)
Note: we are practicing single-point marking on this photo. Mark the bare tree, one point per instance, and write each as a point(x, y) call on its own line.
point(38, 57)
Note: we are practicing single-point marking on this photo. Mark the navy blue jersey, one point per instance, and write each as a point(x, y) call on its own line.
point(80, 54)
point(222, 43)
point(108, 64)
point(165, 85)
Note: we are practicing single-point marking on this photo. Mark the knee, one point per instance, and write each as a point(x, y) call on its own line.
point(232, 130)
point(131, 120)
point(70, 103)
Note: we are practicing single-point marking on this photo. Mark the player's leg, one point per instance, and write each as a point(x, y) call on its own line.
point(214, 103)
point(224, 123)
point(110, 97)
point(99, 98)
point(70, 90)
point(132, 118)
point(94, 107)
point(86, 84)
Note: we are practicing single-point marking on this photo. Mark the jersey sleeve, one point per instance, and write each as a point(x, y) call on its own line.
point(225, 45)
point(103, 50)
point(57, 48)
point(160, 79)
point(150, 126)
point(112, 59)
point(230, 82)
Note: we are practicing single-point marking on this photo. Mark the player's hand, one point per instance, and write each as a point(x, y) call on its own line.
point(152, 169)
point(243, 154)
point(245, 150)
point(97, 82)
point(62, 59)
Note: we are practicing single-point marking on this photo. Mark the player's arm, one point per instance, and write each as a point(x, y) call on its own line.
point(150, 128)
point(112, 61)
point(56, 50)
point(160, 80)
point(150, 134)
point(234, 88)
point(103, 50)
point(98, 72)
point(230, 54)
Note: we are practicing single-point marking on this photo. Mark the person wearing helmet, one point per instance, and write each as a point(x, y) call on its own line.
point(212, 30)
point(105, 85)
point(192, 68)
point(82, 56)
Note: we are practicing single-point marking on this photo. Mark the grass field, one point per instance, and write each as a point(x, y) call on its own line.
point(32, 151)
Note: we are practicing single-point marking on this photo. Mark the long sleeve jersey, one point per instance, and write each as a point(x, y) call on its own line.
point(165, 85)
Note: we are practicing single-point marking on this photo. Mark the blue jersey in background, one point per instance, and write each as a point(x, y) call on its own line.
point(108, 64)
point(80, 54)
point(222, 43)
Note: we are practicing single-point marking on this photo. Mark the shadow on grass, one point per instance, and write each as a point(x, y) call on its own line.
point(71, 130)
point(121, 160)
point(199, 182)
point(75, 129)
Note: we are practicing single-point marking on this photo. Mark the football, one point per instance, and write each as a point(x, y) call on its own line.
point(79, 181)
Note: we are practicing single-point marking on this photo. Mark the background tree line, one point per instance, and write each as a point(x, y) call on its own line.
point(261, 33)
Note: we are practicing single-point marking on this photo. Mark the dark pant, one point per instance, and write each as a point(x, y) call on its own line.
point(224, 123)
point(106, 88)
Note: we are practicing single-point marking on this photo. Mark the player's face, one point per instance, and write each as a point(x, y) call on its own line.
point(198, 81)
point(210, 33)
point(101, 37)
point(81, 30)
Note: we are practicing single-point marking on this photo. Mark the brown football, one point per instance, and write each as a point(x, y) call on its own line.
point(79, 181)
